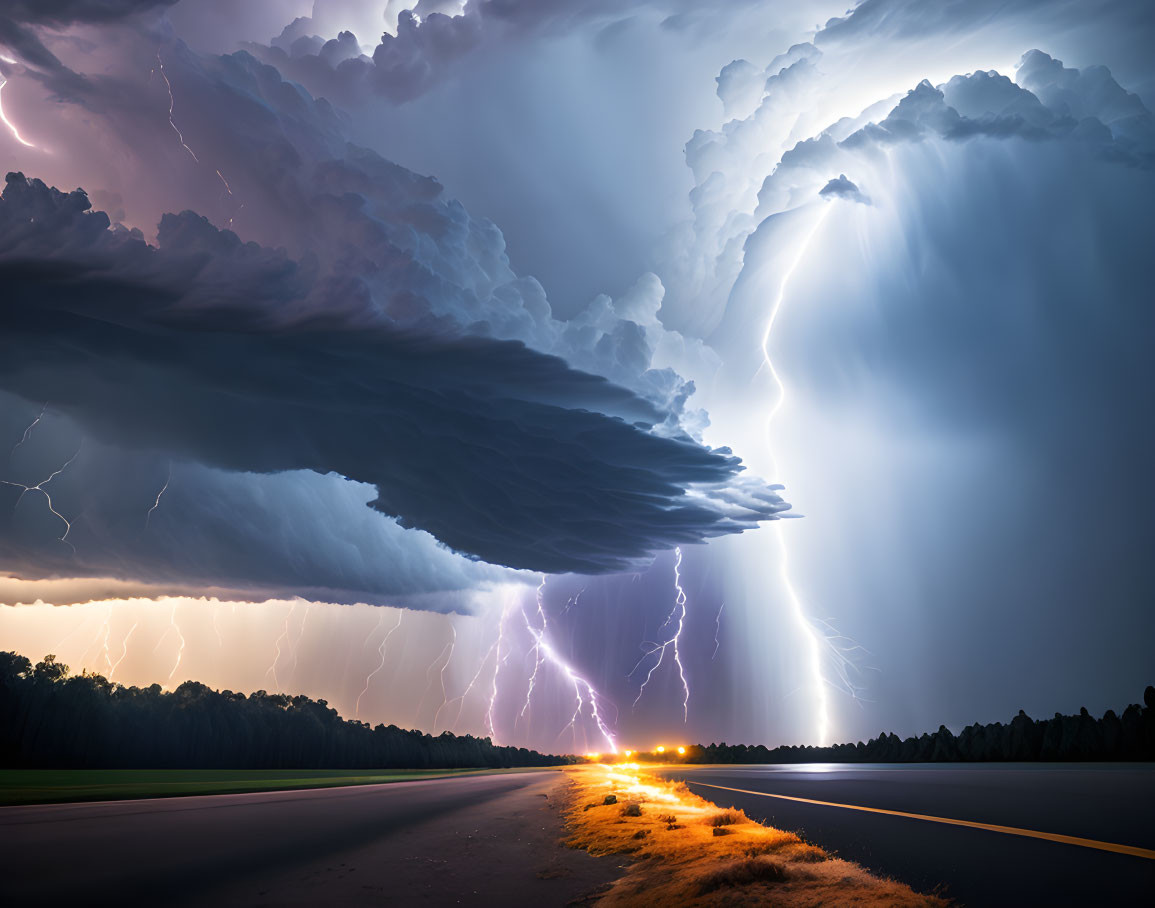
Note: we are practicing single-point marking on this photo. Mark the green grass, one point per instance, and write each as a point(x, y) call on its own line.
point(50, 786)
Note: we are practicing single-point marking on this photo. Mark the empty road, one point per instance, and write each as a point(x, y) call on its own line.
point(1110, 804)
point(472, 840)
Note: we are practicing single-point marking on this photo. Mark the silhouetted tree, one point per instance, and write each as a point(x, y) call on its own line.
point(50, 718)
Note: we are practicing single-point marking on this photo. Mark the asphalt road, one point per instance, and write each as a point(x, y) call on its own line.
point(1111, 803)
point(474, 840)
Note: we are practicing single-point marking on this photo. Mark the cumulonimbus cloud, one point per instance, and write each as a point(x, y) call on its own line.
point(500, 452)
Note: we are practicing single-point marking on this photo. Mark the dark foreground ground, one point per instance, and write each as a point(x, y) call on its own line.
point(1105, 802)
point(473, 840)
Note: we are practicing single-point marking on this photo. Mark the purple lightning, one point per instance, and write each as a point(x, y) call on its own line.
point(678, 612)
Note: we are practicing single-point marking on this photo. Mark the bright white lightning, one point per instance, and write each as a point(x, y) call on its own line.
point(39, 487)
point(180, 649)
point(12, 126)
point(815, 640)
point(675, 621)
point(579, 683)
point(123, 651)
point(498, 663)
point(381, 662)
point(538, 656)
point(172, 107)
point(32, 425)
point(284, 635)
point(447, 653)
point(159, 495)
point(717, 631)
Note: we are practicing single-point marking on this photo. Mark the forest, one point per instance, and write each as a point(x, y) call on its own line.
point(1080, 737)
point(50, 718)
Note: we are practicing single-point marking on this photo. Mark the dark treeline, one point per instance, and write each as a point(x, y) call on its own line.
point(51, 719)
point(1082, 737)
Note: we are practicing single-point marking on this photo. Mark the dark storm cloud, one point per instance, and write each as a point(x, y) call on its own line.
point(17, 15)
point(498, 451)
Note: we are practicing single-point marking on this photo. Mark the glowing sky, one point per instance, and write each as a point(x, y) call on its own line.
point(448, 363)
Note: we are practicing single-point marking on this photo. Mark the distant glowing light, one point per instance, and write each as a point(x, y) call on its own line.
point(12, 126)
point(681, 751)
point(661, 749)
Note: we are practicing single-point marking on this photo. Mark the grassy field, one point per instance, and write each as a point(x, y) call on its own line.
point(48, 786)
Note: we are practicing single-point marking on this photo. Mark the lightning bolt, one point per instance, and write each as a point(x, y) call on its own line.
point(449, 648)
point(180, 649)
point(544, 651)
point(284, 635)
point(498, 664)
point(172, 107)
point(300, 635)
point(124, 650)
point(717, 631)
point(159, 495)
point(32, 425)
point(538, 656)
point(817, 643)
point(12, 126)
point(676, 621)
point(460, 701)
point(381, 663)
point(104, 639)
point(39, 487)
point(180, 136)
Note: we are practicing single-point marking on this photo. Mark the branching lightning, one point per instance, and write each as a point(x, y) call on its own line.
point(39, 487)
point(675, 623)
point(32, 425)
point(381, 662)
point(544, 651)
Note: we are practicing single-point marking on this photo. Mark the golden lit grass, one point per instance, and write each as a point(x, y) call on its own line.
point(689, 852)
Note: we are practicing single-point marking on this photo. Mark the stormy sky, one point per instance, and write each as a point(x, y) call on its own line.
point(447, 361)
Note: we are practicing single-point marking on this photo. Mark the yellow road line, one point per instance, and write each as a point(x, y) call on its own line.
point(1008, 830)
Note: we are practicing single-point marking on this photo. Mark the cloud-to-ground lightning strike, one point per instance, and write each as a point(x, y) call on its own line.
point(498, 663)
point(381, 660)
point(39, 487)
point(816, 640)
point(123, 650)
point(284, 635)
point(447, 651)
point(538, 657)
point(543, 651)
point(676, 621)
point(180, 650)
point(578, 683)
point(159, 495)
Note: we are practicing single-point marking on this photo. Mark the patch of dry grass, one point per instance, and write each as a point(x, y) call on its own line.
point(689, 852)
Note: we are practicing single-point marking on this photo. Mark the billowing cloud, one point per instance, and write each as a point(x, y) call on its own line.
point(222, 353)
point(842, 188)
